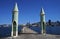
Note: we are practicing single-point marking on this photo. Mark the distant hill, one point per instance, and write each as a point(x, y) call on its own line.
point(57, 23)
point(47, 24)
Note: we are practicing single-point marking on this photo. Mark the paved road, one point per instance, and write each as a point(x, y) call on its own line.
point(34, 36)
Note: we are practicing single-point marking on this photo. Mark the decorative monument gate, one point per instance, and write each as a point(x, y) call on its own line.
point(14, 32)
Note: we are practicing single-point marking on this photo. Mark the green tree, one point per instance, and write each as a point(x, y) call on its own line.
point(49, 22)
point(58, 23)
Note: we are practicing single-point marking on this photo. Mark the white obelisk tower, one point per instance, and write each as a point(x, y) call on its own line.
point(43, 27)
point(14, 32)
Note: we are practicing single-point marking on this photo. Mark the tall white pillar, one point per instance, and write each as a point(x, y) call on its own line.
point(14, 32)
point(43, 23)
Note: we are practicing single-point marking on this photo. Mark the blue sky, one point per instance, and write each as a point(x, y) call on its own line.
point(29, 10)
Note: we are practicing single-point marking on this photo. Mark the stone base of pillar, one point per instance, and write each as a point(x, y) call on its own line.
point(43, 32)
point(13, 35)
